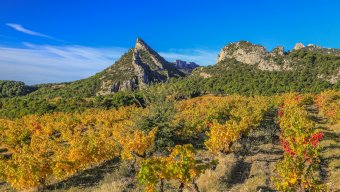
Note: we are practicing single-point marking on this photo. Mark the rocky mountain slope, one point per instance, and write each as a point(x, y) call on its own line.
point(325, 61)
point(252, 54)
point(185, 67)
point(242, 67)
point(137, 68)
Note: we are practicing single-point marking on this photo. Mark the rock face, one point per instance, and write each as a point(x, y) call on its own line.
point(135, 69)
point(252, 54)
point(244, 52)
point(276, 60)
point(278, 51)
point(185, 67)
point(298, 46)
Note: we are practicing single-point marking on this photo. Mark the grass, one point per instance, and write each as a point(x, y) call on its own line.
point(212, 180)
point(330, 156)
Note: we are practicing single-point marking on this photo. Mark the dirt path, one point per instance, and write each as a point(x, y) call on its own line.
point(330, 150)
point(257, 154)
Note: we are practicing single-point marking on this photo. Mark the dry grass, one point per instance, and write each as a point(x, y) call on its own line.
point(257, 178)
point(335, 128)
point(113, 184)
point(334, 175)
point(211, 180)
point(250, 184)
point(330, 153)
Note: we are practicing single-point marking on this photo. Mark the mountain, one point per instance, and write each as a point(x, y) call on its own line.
point(185, 67)
point(242, 67)
point(137, 68)
point(245, 68)
point(324, 61)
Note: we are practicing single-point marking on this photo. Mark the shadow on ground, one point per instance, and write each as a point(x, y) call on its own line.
point(87, 178)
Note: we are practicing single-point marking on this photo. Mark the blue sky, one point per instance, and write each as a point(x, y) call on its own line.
point(62, 40)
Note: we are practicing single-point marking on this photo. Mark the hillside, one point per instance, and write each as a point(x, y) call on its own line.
point(249, 69)
point(14, 89)
point(138, 67)
point(324, 61)
point(243, 68)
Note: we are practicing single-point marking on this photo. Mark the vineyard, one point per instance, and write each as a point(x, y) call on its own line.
point(287, 142)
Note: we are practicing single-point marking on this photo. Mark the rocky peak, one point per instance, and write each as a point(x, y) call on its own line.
point(298, 46)
point(141, 45)
point(137, 68)
point(148, 55)
point(185, 67)
point(251, 54)
point(279, 50)
point(244, 52)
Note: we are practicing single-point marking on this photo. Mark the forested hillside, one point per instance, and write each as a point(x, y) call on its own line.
point(14, 89)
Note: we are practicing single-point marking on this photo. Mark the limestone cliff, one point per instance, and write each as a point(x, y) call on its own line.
point(140, 66)
point(244, 52)
point(257, 55)
point(324, 62)
point(298, 46)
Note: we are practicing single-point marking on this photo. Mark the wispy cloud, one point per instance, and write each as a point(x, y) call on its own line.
point(44, 63)
point(34, 63)
point(200, 56)
point(20, 28)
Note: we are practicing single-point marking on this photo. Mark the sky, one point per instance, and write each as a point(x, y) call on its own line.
point(64, 40)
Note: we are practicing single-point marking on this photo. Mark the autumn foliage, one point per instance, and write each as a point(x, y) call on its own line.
point(299, 140)
point(179, 165)
point(55, 146)
point(241, 114)
point(60, 144)
point(328, 102)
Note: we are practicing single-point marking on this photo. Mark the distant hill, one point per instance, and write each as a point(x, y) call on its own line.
point(14, 88)
point(138, 67)
point(185, 67)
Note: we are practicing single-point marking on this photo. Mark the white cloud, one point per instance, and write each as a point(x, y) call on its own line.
point(44, 63)
point(200, 56)
point(48, 64)
point(20, 28)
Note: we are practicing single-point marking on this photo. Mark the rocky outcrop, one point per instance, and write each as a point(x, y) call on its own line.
point(298, 46)
point(154, 56)
point(331, 78)
point(137, 68)
point(252, 54)
point(277, 51)
point(142, 77)
point(185, 67)
point(276, 60)
point(109, 87)
point(244, 52)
